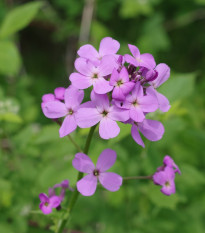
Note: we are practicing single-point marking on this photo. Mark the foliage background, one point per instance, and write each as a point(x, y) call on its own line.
point(38, 44)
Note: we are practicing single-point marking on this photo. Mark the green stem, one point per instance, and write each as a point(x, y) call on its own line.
point(75, 194)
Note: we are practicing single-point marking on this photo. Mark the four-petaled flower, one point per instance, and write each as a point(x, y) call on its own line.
point(88, 184)
point(48, 203)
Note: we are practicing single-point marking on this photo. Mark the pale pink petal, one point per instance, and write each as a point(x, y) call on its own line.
point(88, 51)
point(101, 101)
point(83, 163)
point(114, 77)
point(151, 129)
point(124, 75)
point(54, 109)
point(80, 81)
point(87, 117)
point(87, 185)
point(163, 74)
point(118, 93)
point(131, 60)
point(147, 60)
point(111, 181)
point(102, 86)
point(137, 91)
point(136, 136)
point(108, 46)
point(108, 128)
point(68, 126)
point(134, 50)
point(106, 160)
point(48, 97)
point(73, 97)
point(108, 63)
point(83, 66)
point(148, 103)
point(127, 87)
point(118, 114)
point(136, 114)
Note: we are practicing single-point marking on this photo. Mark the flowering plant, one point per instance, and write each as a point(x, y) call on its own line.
point(123, 89)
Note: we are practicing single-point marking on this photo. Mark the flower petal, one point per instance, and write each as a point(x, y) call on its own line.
point(73, 97)
point(54, 201)
point(54, 109)
point(108, 46)
point(87, 117)
point(148, 103)
point(136, 114)
point(59, 93)
point(118, 114)
point(163, 74)
point(80, 81)
point(102, 86)
point(101, 101)
point(68, 126)
point(108, 128)
point(108, 63)
point(83, 66)
point(45, 209)
point(136, 136)
point(106, 160)
point(164, 105)
point(43, 197)
point(131, 60)
point(151, 129)
point(88, 51)
point(111, 181)
point(87, 185)
point(134, 50)
point(83, 163)
point(147, 60)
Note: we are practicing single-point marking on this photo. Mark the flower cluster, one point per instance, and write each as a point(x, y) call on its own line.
point(165, 176)
point(52, 200)
point(123, 90)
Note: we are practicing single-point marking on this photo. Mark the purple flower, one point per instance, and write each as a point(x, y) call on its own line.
point(99, 110)
point(91, 74)
point(56, 109)
point(165, 178)
point(168, 161)
point(59, 93)
point(48, 203)
point(151, 129)
point(142, 60)
point(108, 46)
point(48, 97)
point(163, 74)
point(88, 184)
point(121, 83)
point(138, 104)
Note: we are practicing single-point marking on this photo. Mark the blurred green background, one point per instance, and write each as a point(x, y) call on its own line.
point(38, 44)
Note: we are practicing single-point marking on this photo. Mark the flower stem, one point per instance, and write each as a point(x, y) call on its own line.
point(74, 197)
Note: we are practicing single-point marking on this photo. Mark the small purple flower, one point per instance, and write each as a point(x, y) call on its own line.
point(92, 74)
point(48, 203)
point(56, 109)
point(138, 103)
point(168, 161)
point(99, 110)
point(121, 83)
point(88, 184)
point(108, 46)
point(142, 60)
point(59, 93)
point(165, 178)
point(151, 129)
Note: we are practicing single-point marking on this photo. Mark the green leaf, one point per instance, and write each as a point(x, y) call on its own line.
point(178, 86)
point(10, 117)
point(19, 18)
point(9, 58)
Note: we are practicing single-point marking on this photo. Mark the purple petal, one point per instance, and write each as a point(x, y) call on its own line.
point(136, 136)
point(108, 128)
point(164, 105)
point(168, 161)
point(114, 77)
point(147, 61)
point(84, 67)
point(151, 129)
point(88, 51)
point(111, 181)
point(106, 160)
point(48, 98)
point(118, 114)
point(108, 46)
point(80, 81)
point(101, 101)
point(45, 209)
point(51, 192)
point(134, 50)
point(54, 201)
point(169, 189)
point(87, 117)
point(83, 163)
point(137, 91)
point(136, 114)
point(43, 197)
point(73, 97)
point(54, 109)
point(87, 185)
point(59, 93)
point(108, 63)
point(148, 104)
point(163, 74)
point(102, 86)
point(118, 93)
point(131, 60)
point(124, 75)
point(68, 126)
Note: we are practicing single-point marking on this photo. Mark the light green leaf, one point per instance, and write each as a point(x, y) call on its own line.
point(178, 86)
point(10, 117)
point(19, 18)
point(9, 58)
